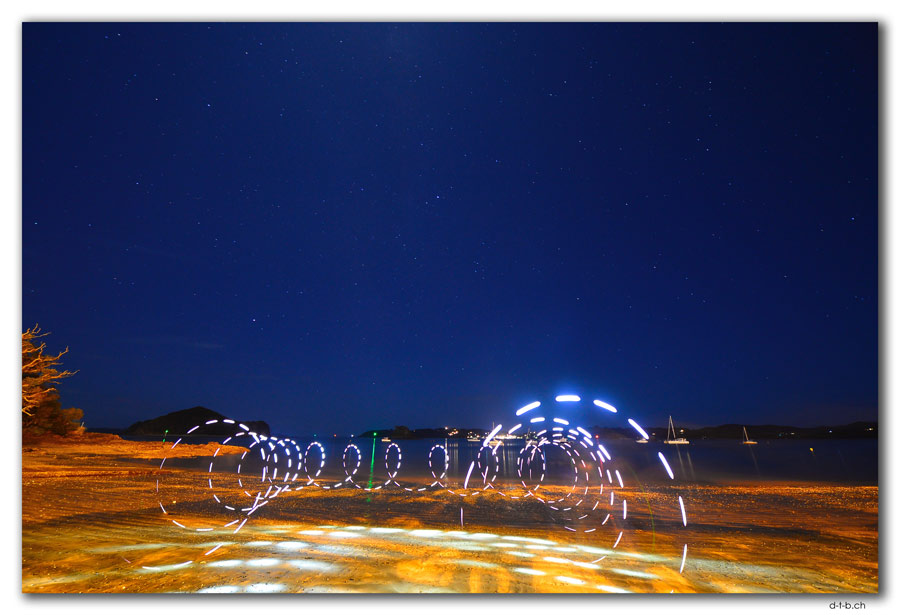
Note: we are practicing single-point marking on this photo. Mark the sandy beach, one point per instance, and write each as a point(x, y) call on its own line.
point(91, 522)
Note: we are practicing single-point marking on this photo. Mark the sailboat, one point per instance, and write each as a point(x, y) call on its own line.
point(671, 437)
point(747, 439)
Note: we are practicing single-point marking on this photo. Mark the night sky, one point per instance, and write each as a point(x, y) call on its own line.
point(338, 227)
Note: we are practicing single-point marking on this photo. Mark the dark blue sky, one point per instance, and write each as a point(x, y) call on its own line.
point(334, 227)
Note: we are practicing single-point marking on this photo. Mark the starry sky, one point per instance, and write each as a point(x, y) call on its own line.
point(339, 227)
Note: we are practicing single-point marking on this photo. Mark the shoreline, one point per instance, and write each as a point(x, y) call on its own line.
point(49, 452)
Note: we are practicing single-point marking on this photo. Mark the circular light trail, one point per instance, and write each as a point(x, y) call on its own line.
point(594, 499)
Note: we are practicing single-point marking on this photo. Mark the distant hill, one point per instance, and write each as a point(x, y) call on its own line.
point(178, 423)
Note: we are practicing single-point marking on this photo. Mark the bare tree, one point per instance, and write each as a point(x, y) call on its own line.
point(39, 371)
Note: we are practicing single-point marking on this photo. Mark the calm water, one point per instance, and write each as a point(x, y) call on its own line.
point(704, 461)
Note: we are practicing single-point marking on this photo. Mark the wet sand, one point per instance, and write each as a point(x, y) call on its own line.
point(91, 522)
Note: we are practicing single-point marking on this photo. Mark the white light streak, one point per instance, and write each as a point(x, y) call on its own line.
point(537, 419)
point(683, 515)
point(666, 464)
point(562, 398)
point(560, 421)
point(492, 434)
point(527, 408)
point(539, 541)
point(634, 573)
point(468, 474)
point(604, 405)
point(640, 430)
point(214, 548)
point(588, 565)
point(264, 562)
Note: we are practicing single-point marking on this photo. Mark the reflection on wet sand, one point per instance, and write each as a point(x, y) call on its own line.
point(103, 532)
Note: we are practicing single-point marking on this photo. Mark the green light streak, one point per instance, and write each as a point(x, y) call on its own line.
point(371, 468)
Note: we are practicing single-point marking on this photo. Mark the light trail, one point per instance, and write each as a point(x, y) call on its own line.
point(468, 474)
point(577, 510)
point(604, 405)
point(527, 408)
point(666, 465)
point(491, 435)
point(639, 429)
point(567, 398)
